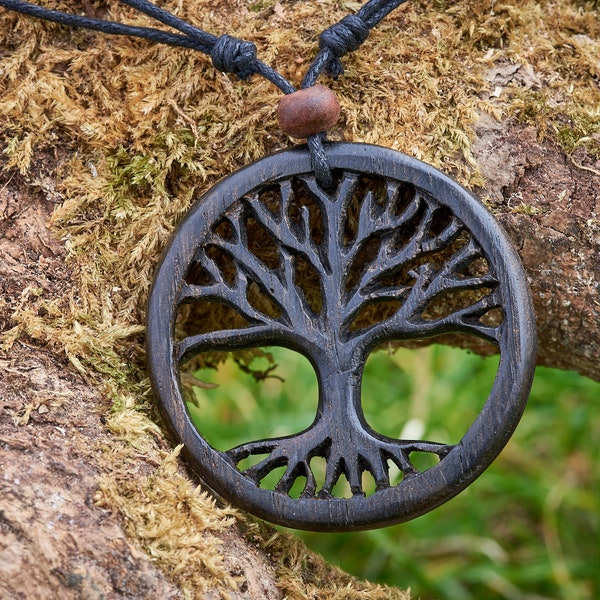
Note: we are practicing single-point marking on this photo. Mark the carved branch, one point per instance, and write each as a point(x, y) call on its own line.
point(282, 229)
point(389, 259)
point(431, 283)
point(466, 320)
point(279, 284)
point(234, 297)
point(360, 300)
point(267, 278)
point(373, 221)
point(224, 339)
point(387, 262)
point(408, 322)
point(445, 237)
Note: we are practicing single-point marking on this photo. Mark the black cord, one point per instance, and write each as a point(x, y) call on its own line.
point(233, 55)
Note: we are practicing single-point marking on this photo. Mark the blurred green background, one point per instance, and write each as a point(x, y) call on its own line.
point(528, 528)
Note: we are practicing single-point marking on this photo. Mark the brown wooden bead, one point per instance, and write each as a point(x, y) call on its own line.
point(308, 111)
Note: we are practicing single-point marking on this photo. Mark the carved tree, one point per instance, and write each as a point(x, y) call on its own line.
point(333, 275)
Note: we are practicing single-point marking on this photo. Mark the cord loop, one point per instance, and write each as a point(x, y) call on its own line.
point(319, 160)
point(342, 37)
point(233, 55)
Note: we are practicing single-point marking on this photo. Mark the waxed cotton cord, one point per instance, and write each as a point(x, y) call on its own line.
point(229, 54)
point(233, 55)
point(345, 36)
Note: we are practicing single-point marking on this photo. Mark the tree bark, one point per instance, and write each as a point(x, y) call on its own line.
point(60, 537)
point(549, 204)
point(54, 541)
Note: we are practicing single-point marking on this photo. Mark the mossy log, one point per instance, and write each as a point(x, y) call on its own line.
point(105, 143)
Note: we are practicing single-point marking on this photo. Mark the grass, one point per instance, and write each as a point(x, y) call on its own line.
point(528, 529)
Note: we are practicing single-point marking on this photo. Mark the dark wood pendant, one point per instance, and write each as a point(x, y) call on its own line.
point(395, 251)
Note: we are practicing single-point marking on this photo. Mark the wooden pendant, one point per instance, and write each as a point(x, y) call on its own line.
point(396, 251)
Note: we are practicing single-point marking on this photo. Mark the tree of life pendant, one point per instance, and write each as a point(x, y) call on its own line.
point(395, 252)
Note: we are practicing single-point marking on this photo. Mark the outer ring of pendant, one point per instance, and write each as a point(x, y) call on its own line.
point(416, 495)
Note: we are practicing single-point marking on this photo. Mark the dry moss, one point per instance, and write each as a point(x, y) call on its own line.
point(136, 131)
point(302, 574)
point(174, 522)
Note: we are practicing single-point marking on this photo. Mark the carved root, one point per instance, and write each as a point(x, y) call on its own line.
point(356, 453)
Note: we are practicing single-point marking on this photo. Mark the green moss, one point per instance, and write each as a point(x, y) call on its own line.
point(580, 133)
point(261, 5)
point(527, 209)
point(573, 124)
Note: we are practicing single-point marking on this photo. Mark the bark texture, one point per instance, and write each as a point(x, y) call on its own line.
point(550, 205)
point(58, 539)
point(54, 541)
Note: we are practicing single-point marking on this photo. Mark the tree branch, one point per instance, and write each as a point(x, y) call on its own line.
point(267, 278)
point(406, 323)
point(224, 339)
point(281, 228)
point(387, 262)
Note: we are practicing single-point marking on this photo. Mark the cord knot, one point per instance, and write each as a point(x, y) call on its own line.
point(343, 37)
point(232, 55)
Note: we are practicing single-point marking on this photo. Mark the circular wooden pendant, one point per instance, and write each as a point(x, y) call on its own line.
point(396, 251)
